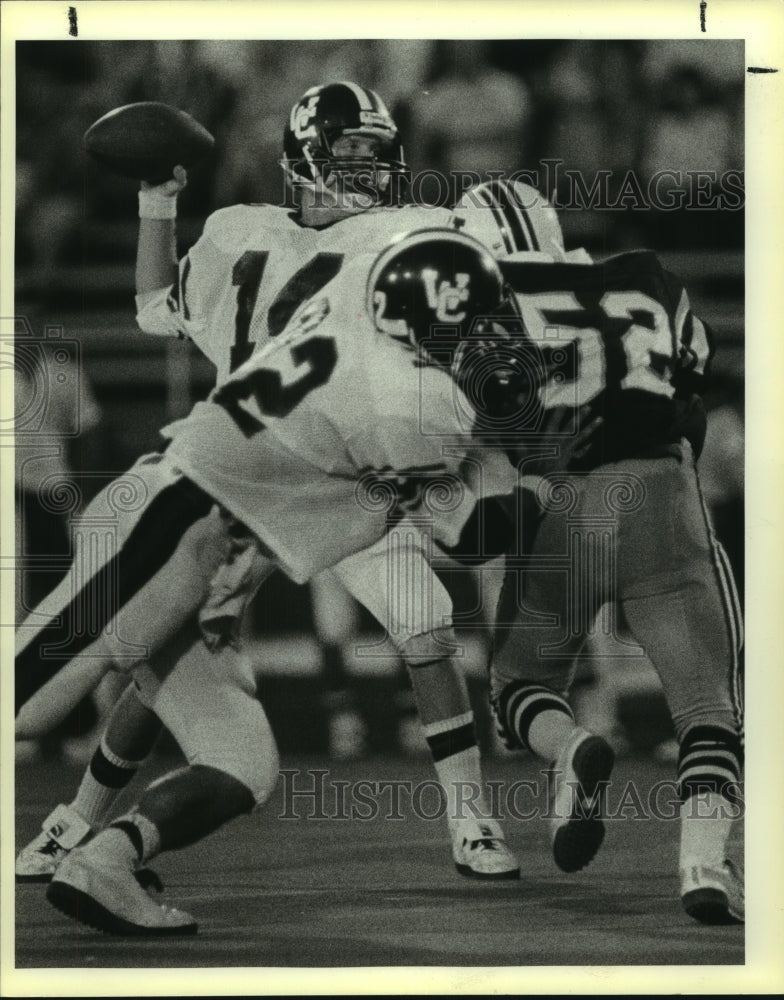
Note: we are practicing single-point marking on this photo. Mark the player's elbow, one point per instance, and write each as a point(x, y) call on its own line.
point(155, 313)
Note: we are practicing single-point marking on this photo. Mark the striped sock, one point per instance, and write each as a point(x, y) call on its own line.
point(455, 753)
point(710, 760)
point(102, 782)
point(141, 832)
point(132, 839)
point(533, 717)
point(709, 767)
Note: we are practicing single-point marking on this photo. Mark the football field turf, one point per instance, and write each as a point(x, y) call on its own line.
point(330, 892)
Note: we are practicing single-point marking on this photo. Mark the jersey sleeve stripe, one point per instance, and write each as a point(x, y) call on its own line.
point(180, 290)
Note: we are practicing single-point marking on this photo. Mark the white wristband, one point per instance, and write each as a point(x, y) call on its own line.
point(153, 205)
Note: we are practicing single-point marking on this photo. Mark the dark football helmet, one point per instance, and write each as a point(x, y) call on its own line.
point(433, 280)
point(442, 292)
point(327, 113)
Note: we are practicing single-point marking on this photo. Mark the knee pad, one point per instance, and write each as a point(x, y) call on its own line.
point(208, 703)
point(247, 752)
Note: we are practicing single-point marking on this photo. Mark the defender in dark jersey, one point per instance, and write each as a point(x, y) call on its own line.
point(624, 532)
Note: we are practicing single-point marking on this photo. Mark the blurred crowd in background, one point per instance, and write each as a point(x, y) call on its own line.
point(594, 106)
point(461, 105)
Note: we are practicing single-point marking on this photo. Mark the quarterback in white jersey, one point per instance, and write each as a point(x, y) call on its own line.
point(254, 265)
point(231, 293)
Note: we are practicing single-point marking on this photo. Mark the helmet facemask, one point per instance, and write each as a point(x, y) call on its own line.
point(356, 169)
point(500, 370)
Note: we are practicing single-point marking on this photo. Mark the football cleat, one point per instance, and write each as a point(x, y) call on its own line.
point(480, 851)
point(61, 831)
point(713, 894)
point(103, 893)
point(577, 829)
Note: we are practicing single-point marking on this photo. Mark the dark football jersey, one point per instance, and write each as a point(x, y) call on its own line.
point(621, 338)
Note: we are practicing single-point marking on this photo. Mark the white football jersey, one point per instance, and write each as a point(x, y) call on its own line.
point(330, 433)
point(254, 265)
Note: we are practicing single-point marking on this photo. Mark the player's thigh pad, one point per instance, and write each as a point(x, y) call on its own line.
point(640, 525)
point(394, 581)
point(170, 597)
point(233, 587)
point(208, 702)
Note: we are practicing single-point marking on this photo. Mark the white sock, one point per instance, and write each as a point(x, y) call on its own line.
point(104, 779)
point(458, 766)
point(131, 839)
point(706, 821)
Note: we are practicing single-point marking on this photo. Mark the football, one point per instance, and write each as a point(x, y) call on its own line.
point(147, 141)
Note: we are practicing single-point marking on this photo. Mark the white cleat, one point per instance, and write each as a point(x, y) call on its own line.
point(713, 894)
point(62, 830)
point(105, 894)
point(576, 826)
point(480, 851)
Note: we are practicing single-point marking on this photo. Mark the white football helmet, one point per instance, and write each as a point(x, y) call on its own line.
point(510, 217)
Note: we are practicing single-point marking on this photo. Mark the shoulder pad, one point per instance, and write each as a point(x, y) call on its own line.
point(238, 217)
